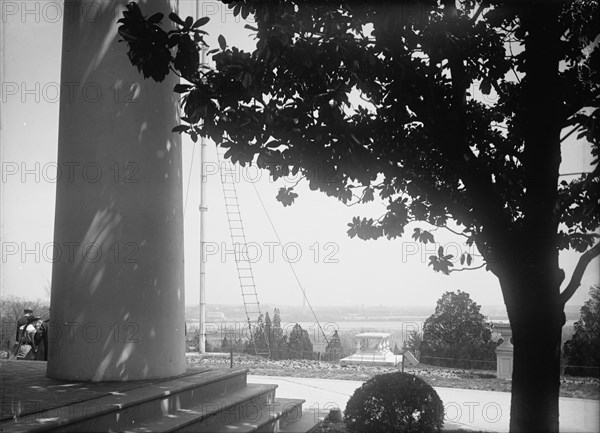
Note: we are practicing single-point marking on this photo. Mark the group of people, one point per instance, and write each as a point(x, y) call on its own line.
point(31, 338)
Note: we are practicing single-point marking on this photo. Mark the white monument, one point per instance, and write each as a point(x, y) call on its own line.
point(373, 348)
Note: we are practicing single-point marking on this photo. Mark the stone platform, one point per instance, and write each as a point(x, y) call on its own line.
point(202, 399)
point(389, 359)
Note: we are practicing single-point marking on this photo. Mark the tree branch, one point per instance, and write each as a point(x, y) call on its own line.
point(444, 226)
point(468, 269)
point(575, 128)
point(575, 282)
point(298, 181)
point(454, 231)
point(477, 13)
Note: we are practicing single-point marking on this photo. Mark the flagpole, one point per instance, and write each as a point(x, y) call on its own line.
point(203, 209)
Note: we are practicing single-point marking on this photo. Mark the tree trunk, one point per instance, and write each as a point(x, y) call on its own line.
point(531, 286)
point(536, 317)
point(536, 375)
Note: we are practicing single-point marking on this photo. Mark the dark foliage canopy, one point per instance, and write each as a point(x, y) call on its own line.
point(439, 132)
point(583, 350)
point(457, 335)
point(394, 402)
point(334, 344)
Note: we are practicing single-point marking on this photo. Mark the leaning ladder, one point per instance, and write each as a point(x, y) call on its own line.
point(242, 262)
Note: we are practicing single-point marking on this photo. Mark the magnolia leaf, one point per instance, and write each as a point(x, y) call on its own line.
point(174, 17)
point(367, 195)
point(286, 196)
point(200, 22)
point(427, 237)
point(245, 12)
point(181, 88)
point(485, 87)
point(222, 42)
point(181, 128)
point(416, 234)
point(156, 18)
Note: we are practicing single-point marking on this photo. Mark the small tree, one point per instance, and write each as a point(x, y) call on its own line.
point(457, 331)
point(334, 346)
point(268, 329)
point(276, 336)
point(414, 342)
point(259, 343)
point(277, 331)
point(283, 348)
point(294, 342)
point(299, 344)
point(583, 350)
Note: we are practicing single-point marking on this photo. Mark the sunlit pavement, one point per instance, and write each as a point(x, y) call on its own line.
point(465, 408)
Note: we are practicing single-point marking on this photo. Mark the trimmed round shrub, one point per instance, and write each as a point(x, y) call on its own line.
point(394, 402)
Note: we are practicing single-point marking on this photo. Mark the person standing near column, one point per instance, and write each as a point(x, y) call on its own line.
point(27, 346)
point(20, 324)
point(23, 320)
point(41, 340)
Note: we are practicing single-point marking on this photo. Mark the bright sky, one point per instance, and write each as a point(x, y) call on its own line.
point(334, 269)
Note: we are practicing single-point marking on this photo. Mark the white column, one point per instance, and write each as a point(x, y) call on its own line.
point(117, 307)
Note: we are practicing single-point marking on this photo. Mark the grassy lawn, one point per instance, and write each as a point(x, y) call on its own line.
point(574, 387)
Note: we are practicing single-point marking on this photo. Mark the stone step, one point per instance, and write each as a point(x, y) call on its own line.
point(299, 421)
point(134, 405)
point(255, 415)
point(208, 413)
point(210, 401)
point(203, 401)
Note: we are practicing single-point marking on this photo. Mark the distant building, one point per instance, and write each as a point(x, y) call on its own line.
point(215, 316)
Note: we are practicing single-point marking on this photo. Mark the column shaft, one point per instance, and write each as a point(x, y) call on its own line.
point(117, 304)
